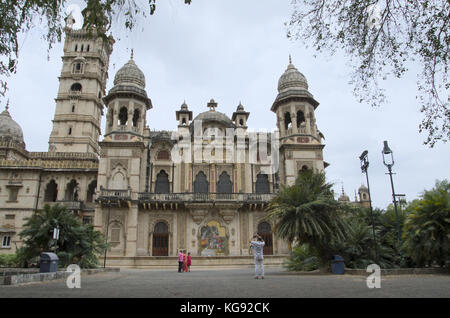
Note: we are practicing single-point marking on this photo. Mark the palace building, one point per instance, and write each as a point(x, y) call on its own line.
point(202, 187)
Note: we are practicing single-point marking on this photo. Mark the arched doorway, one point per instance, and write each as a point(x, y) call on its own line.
point(161, 239)
point(265, 230)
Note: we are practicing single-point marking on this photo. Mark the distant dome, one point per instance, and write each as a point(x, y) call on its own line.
point(130, 74)
point(292, 78)
point(344, 198)
point(9, 128)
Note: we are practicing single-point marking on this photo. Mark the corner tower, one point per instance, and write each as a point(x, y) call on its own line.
point(300, 140)
point(82, 84)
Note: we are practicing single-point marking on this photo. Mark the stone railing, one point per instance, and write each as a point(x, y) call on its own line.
point(115, 194)
point(200, 197)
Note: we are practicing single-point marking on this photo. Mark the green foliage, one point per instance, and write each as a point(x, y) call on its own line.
point(77, 243)
point(8, 260)
point(427, 229)
point(21, 16)
point(302, 259)
point(306, 212)
point(380, 38)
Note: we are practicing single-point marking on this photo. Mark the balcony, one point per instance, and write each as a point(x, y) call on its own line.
point(205, 197)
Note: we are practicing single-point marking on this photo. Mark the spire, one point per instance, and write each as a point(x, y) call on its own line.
point(290, 59)
point(7, 106)
point(132, 54)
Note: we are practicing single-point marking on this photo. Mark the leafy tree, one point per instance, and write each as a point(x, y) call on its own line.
point(21, 16)
point(380, 38)
point(77, 243)
point(306, 212)
point(427, 228)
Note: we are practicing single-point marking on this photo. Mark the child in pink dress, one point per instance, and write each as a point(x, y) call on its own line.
point(189, 262)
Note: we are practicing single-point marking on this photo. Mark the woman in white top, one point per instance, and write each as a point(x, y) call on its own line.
point(257, 244)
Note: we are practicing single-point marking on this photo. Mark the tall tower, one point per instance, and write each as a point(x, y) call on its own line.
point(82, 84)
point(300, 140)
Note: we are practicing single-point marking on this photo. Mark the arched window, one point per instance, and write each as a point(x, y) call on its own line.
point(115, 233)
point(123, 116)
point(287, 120)
point(87, 49)
point(303, 169)
point(201, 184)
point(91, 191)
point(118, 180)
point(241, 122)
point(82, 45)
point(72, 191)
point(73, 108)
point(162, 182)
point(76, 87)
point(300, 118)
point(76, 47)
point(136, 118)
point(163, 155)
point(183, 121)
point(77, 68)
point(70, 131)
point(224, 185)
point(51, 191)
point(262, 183)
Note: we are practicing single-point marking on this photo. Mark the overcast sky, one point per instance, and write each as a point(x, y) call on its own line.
point(236, 51)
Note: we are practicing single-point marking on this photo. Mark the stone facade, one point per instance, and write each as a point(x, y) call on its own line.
point(202, 187)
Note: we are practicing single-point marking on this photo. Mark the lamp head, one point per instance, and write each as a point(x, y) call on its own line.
point(363, 155)
point(386, 149)
point(388, 161)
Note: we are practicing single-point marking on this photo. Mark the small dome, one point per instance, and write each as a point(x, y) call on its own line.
point(363, 188)
point(184, 106)
point(130, 74)
point(292, 78)
point(9, 128)
point(240, 108)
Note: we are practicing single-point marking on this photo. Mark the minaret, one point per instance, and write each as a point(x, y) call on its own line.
point(301, 147)
point(82, 84)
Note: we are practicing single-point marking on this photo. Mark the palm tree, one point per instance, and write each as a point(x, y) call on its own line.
point(306, 212)
point(77, 243)
point(426, 231)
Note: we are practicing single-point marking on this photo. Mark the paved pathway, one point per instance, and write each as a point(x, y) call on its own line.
point(232, 283)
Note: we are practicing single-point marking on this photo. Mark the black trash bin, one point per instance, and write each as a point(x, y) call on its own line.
point(48, 262)
point(337, 265)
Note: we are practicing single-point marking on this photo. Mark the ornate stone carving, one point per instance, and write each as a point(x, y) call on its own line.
point(198, 215)
point(227, 215)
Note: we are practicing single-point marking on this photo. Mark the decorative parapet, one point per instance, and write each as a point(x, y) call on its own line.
point(64, 155)
point(49, 164)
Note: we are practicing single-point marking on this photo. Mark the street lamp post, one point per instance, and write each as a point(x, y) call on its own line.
point(364, 165)
point(388, 161)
